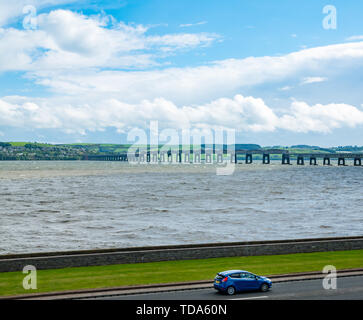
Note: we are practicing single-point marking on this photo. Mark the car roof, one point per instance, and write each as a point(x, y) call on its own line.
point(233, 271)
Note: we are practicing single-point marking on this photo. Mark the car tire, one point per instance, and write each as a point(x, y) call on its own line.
point(264, 287)
point(231, 291)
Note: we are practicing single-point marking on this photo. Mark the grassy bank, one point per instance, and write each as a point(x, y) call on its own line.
point(175, 271)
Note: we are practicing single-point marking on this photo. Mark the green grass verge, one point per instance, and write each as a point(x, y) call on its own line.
point(175, 271)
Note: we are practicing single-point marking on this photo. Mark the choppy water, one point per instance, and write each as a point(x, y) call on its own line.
point(48, 206)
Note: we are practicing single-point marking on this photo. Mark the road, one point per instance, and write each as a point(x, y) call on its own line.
point(348, 288)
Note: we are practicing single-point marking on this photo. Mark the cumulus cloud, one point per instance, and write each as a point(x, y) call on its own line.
point(203, 83)
point(241, 113)
point(320, 118)
point(70, 52)
point(11, 10)
point(65, 39)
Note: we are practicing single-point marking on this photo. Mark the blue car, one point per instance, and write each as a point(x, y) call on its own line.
point(233, 281)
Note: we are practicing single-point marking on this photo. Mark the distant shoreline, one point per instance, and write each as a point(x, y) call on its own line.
point(11, 151)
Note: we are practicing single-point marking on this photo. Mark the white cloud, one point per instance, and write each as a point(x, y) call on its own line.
point(240, 113)
point(204, 83)
point(320, 118)
point(13, 9)
point(286, 88)
point(355, 38)
point(192, 24)
point(65, 39)
point(183, 40)
point(309, 80)
point(68, 50)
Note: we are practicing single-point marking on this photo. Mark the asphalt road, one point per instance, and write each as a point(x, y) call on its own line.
point(348, 288)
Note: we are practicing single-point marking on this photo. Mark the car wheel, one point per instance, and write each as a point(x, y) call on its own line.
point(231, 291)
point(264, 287)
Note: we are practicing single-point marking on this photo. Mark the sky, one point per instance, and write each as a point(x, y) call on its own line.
point(281, 72)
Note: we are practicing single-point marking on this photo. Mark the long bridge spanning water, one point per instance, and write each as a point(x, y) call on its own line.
point(236, 156)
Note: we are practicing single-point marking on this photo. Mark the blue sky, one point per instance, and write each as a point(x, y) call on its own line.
point(90, 71)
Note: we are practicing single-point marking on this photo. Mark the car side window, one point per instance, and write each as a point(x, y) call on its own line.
point(235, 275)
point(244, 275)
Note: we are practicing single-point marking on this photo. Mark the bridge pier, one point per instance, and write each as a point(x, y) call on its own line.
point(300, 161)
point(313, 161)
point(162, 157)
point(357, 162)
point(341, 162)
point(233, 158)
point(186, 157)
point(266, 158)
point(178, 157)
point(248, 158)
point(196, 157)
point(208, 158)
point(219, 157)
point(326, 161)
point(155, 157)
point(285, 158)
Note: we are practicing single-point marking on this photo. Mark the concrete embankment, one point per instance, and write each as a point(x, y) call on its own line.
point(57, 260)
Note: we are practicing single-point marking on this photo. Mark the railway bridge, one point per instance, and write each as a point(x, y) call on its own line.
point(235, 156)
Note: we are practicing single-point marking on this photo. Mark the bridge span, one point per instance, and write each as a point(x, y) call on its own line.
point(236, 156)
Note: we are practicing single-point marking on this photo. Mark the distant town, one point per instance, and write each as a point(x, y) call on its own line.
point(44, 151)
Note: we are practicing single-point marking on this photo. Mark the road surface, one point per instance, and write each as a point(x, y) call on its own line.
point(348, 288)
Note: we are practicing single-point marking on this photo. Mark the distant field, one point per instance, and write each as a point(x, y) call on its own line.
point(176, 271)
point(22, 144)
point(18, 144)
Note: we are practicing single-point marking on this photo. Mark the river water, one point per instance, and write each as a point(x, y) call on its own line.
point(51, 205)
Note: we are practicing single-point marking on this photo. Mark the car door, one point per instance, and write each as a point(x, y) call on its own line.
point(243, 281)
point(251, 282)
point(237, 281)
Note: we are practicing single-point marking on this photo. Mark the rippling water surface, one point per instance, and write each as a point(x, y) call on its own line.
point(48, 206)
